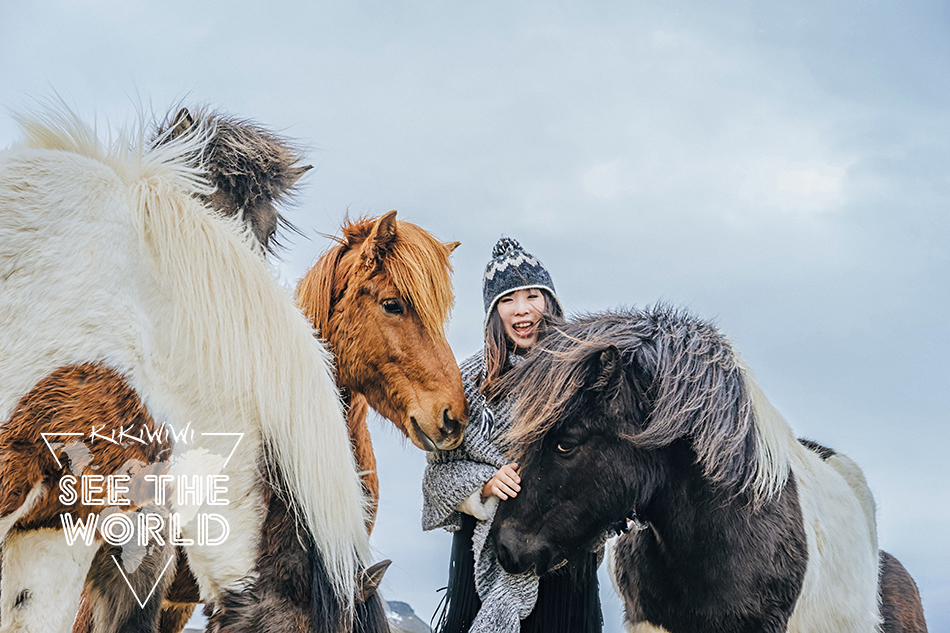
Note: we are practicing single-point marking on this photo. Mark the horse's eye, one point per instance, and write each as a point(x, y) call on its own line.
point(564, 448)
point(392, 306)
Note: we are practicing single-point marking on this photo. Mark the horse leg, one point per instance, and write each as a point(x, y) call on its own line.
point(280, 599)
point(181, 598)
point(175, 617)
point(227, 571)
point(124, 587)
point(42, 580)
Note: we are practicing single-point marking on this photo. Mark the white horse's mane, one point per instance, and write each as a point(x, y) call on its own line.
point(226, 339)
point(774, 441)
point(131, 152)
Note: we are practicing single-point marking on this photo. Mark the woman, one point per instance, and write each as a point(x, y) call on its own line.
point(462, 488)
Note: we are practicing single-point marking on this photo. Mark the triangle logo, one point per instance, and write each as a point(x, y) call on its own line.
point(142, 603)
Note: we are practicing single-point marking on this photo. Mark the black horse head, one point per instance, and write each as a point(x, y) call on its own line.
point(610, 412)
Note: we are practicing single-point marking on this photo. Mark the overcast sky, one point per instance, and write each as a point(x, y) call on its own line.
point(782, 168)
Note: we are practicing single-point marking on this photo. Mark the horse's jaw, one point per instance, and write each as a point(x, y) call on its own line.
point(419, 438)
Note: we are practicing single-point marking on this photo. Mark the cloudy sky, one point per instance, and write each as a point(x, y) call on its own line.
point(782, 168)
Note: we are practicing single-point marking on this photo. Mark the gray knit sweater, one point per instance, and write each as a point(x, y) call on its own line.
point(451, 477)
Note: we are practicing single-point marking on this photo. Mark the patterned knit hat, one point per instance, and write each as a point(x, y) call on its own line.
point(510, 269)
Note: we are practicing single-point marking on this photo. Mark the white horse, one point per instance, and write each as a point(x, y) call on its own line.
point(124, 298)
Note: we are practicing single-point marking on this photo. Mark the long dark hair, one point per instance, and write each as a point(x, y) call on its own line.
point(498, 346)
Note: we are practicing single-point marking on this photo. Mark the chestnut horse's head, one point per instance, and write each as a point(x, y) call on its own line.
point(380, 299)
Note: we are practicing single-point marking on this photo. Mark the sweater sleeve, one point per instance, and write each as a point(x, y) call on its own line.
point(453, 476)
point(446, 485)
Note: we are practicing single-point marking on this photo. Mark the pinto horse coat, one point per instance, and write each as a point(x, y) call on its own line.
point(386, 289)
point(109, 262)
point(651, 415)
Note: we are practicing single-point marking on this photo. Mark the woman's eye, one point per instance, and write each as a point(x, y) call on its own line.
point(392, 306)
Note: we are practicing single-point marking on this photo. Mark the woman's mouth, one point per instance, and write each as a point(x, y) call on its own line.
point(523, 329)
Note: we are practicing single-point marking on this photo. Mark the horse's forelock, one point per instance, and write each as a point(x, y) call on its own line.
point(418, 265)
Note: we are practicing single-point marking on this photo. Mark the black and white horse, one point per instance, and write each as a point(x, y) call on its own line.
point(649, 419)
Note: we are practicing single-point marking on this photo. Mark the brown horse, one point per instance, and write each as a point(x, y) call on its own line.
point(380, 298)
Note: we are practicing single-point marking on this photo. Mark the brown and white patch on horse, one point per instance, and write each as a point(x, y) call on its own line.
point(251, 168)
point(81, 409)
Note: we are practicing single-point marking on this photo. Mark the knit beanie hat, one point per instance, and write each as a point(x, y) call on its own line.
point(512, 268)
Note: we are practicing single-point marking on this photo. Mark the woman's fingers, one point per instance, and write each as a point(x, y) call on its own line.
point(503, 490)
point(505, 483)
point(511, 472)
point(511, 482)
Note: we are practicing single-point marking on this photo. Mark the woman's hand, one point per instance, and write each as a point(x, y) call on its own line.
point(505, 483)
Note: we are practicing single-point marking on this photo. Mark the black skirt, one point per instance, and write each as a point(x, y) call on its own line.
point(568, 598)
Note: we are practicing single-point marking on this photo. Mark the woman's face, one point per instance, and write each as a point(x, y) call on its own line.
point(520, 313)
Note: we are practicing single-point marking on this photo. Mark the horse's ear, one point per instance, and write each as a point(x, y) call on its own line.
point(369, 582)
point(295, 174)
point(182, 123)
point(608, 366)
point(452, 246)
point(380, 240)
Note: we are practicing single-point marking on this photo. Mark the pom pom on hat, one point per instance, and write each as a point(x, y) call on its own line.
point(505, 246)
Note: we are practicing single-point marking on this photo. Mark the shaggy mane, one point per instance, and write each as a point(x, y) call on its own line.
point(226, 340)
point(133, 153)
point(695, 385)
point(253, 163)
point(418, 265)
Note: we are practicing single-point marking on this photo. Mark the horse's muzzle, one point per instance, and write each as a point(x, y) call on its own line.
point(518, 552)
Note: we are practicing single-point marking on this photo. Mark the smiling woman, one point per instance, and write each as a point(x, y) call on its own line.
point(521, 312)
point(463, 487)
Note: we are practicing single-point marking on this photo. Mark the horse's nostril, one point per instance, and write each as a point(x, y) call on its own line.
point(504, 556)
point(450, 426)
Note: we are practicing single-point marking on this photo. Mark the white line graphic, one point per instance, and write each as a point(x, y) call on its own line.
point(126, 579)
point(240, 437)
point(46, 441)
